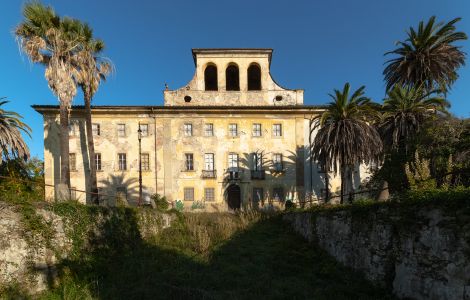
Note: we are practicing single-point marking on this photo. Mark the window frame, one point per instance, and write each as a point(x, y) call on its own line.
point(144, 133)
point(121, 166)
point(275, 131)
point(187, 191)
point(278, 162)
point(230, 157)
point(189, 163)
point(121, 130)
point(186, 132)
point(212, 198)
point(96, 129)
point(211, 131)
point(231, 131)
point(147, 168)
point(257, 132)
point(209, 160)
point(98, 162)
point(73, 162)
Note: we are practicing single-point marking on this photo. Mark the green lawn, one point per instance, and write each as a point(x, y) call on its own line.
point(265, 261)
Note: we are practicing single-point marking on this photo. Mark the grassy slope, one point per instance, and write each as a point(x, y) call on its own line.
point(265, 261)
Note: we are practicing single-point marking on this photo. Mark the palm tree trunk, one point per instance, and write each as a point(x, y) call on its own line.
point(64, 146)
point(91, 149)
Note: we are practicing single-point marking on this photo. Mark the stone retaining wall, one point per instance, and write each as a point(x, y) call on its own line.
point(422, 254)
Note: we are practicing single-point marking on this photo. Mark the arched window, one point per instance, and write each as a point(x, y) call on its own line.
point(232, 79)
point(210, 78)
point(254, 78)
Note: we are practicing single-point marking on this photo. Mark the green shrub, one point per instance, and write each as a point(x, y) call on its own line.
point(160, 202)
point(179, 205)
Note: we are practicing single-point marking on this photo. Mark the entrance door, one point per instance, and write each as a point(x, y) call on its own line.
point(233, 197)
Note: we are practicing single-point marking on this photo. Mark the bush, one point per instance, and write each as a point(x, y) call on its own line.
point(160, 202)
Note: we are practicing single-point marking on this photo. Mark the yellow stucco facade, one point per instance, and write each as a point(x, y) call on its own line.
point(230, 138)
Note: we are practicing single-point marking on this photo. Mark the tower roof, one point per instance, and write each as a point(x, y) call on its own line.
point(197, 51)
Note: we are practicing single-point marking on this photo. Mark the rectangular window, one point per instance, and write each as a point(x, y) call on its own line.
point(209, 194)
point(233, 130)
point(72, 130)
point(189, 194)
point(257, 161)
point(277, 162)
point(95, 127)
point(188, 129)
point(258, 195)
point(145, 161)
point(233, 162)
point(121, 128)
point(144, 129)
point(98, 161)
point(189, 162)
point(278, 194)
point(73, 162)
point(209, 129)
point(122, 162)
point(209, 161)
point(277, 129)
point(256, 129)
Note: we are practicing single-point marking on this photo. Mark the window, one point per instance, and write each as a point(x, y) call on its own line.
point(277, 129)
point(121, 128)
point(189, 162)
point(257, 161)
point(98, 161)
point(72, 130)
point(258, 195)
point(277, 162)
point(144, 129)
point(233, 162)
point(122, 162)
point(254, 78)
point(95, 127)
point(73, 162)
point(256, 129)
point(188, 129)
point(232, 80)
point(209, 161)
point(145, 161)
point(278, 194)
point(209, 194)
point(210, 78)
point(189, 194)
point(233, 130)
point(209, 129)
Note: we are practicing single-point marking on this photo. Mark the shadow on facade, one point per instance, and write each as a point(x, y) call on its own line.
point(118, 190)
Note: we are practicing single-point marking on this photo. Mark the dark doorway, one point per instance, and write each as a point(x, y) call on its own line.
point(232, 80)
point(233, 197)
point(254, 78)
point(210, 78)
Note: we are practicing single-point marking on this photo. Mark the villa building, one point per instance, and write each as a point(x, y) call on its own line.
point(231, 137)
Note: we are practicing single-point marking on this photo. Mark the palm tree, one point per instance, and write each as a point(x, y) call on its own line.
point(11, 141)
point(49, 40)
point(345, 136)
point(90, 69)
point(405, 110)
point(427, 57)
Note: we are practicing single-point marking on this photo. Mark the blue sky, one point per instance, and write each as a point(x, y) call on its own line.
point(318, 46)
